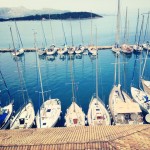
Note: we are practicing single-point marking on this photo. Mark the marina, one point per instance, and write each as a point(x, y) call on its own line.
point(76, 83)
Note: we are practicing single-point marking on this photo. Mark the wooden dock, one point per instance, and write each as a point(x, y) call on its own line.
point(33, 49)
point(124, 137)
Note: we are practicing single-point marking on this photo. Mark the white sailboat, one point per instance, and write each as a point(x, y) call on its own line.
point(24, 118)
point(97, 113)
point(19, 51)
point(137, 47)
point(116, 47)
point(63, 50)
point(74, 116)
point(50, 110)
point(80, 49)
point(92, 49)
point(6, 111)
point(123, 109)
point(126, 48)
point(71, 49)
point(140, 96)
point(52, 49)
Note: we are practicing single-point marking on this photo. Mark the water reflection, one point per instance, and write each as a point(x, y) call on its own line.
point(78, 56)
point(18, 58)
point(71, 57)
point(50, 57)
point(62, 57)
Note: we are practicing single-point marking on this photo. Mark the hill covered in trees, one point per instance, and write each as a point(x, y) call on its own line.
point(63, 16)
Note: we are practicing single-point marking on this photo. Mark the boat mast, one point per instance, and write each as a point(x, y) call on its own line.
point(39, 67)
point(12, 39)
point(118, 56)
point(18, 68)
point(125, 31)
point(115, 70)
point(136, 34)
point(146, 29)
point(118, 25)
point(71, 32)
point(72, 79)
point(91, 31)
point(128, 32)
point(64, 32)
point(51, 30)
point(141, 30)
point(43, 33)
point(18, 33)
point(81, 32)
point(96, 68)
point(147, 47)
point(5, 85)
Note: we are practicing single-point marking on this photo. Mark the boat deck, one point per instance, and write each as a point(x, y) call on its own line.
point(94, 137)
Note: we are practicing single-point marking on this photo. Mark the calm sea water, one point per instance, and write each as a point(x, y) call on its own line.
point(56, 73)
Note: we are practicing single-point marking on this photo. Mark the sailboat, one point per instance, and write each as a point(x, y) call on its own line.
point(63, 50)
point(6, 111)
point(97, 113)
point(126, 48)
point(140, 96)
point(122, 107)
point(81, 48)
point(52, 49)
point(92, 49)
point(74, 116)
point(24, 118)
point(137, 47)
point(50, 109)
point(116, 47)
point(19, 51)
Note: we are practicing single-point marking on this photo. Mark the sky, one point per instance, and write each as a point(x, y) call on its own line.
point(99, 6)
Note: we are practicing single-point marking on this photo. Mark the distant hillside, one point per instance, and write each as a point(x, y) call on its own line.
point(63, 16)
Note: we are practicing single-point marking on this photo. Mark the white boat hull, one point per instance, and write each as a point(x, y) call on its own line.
point(126, 49)
point(74, 116)
point(49, 114)
point(51, 51)
point(97, 113)
point(139, 97)
point(24, 119)
point(146, 86)
point(18, 53)
point(137, 48)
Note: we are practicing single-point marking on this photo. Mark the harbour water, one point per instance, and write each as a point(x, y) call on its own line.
point(56, 71)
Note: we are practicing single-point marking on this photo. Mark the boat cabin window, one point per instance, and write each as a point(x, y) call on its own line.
point(44, 124)
point(100, 117)
point(48, 110)
point(21, 121)
point(75, 121)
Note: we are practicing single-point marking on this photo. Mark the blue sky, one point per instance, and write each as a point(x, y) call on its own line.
point(99, 6)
